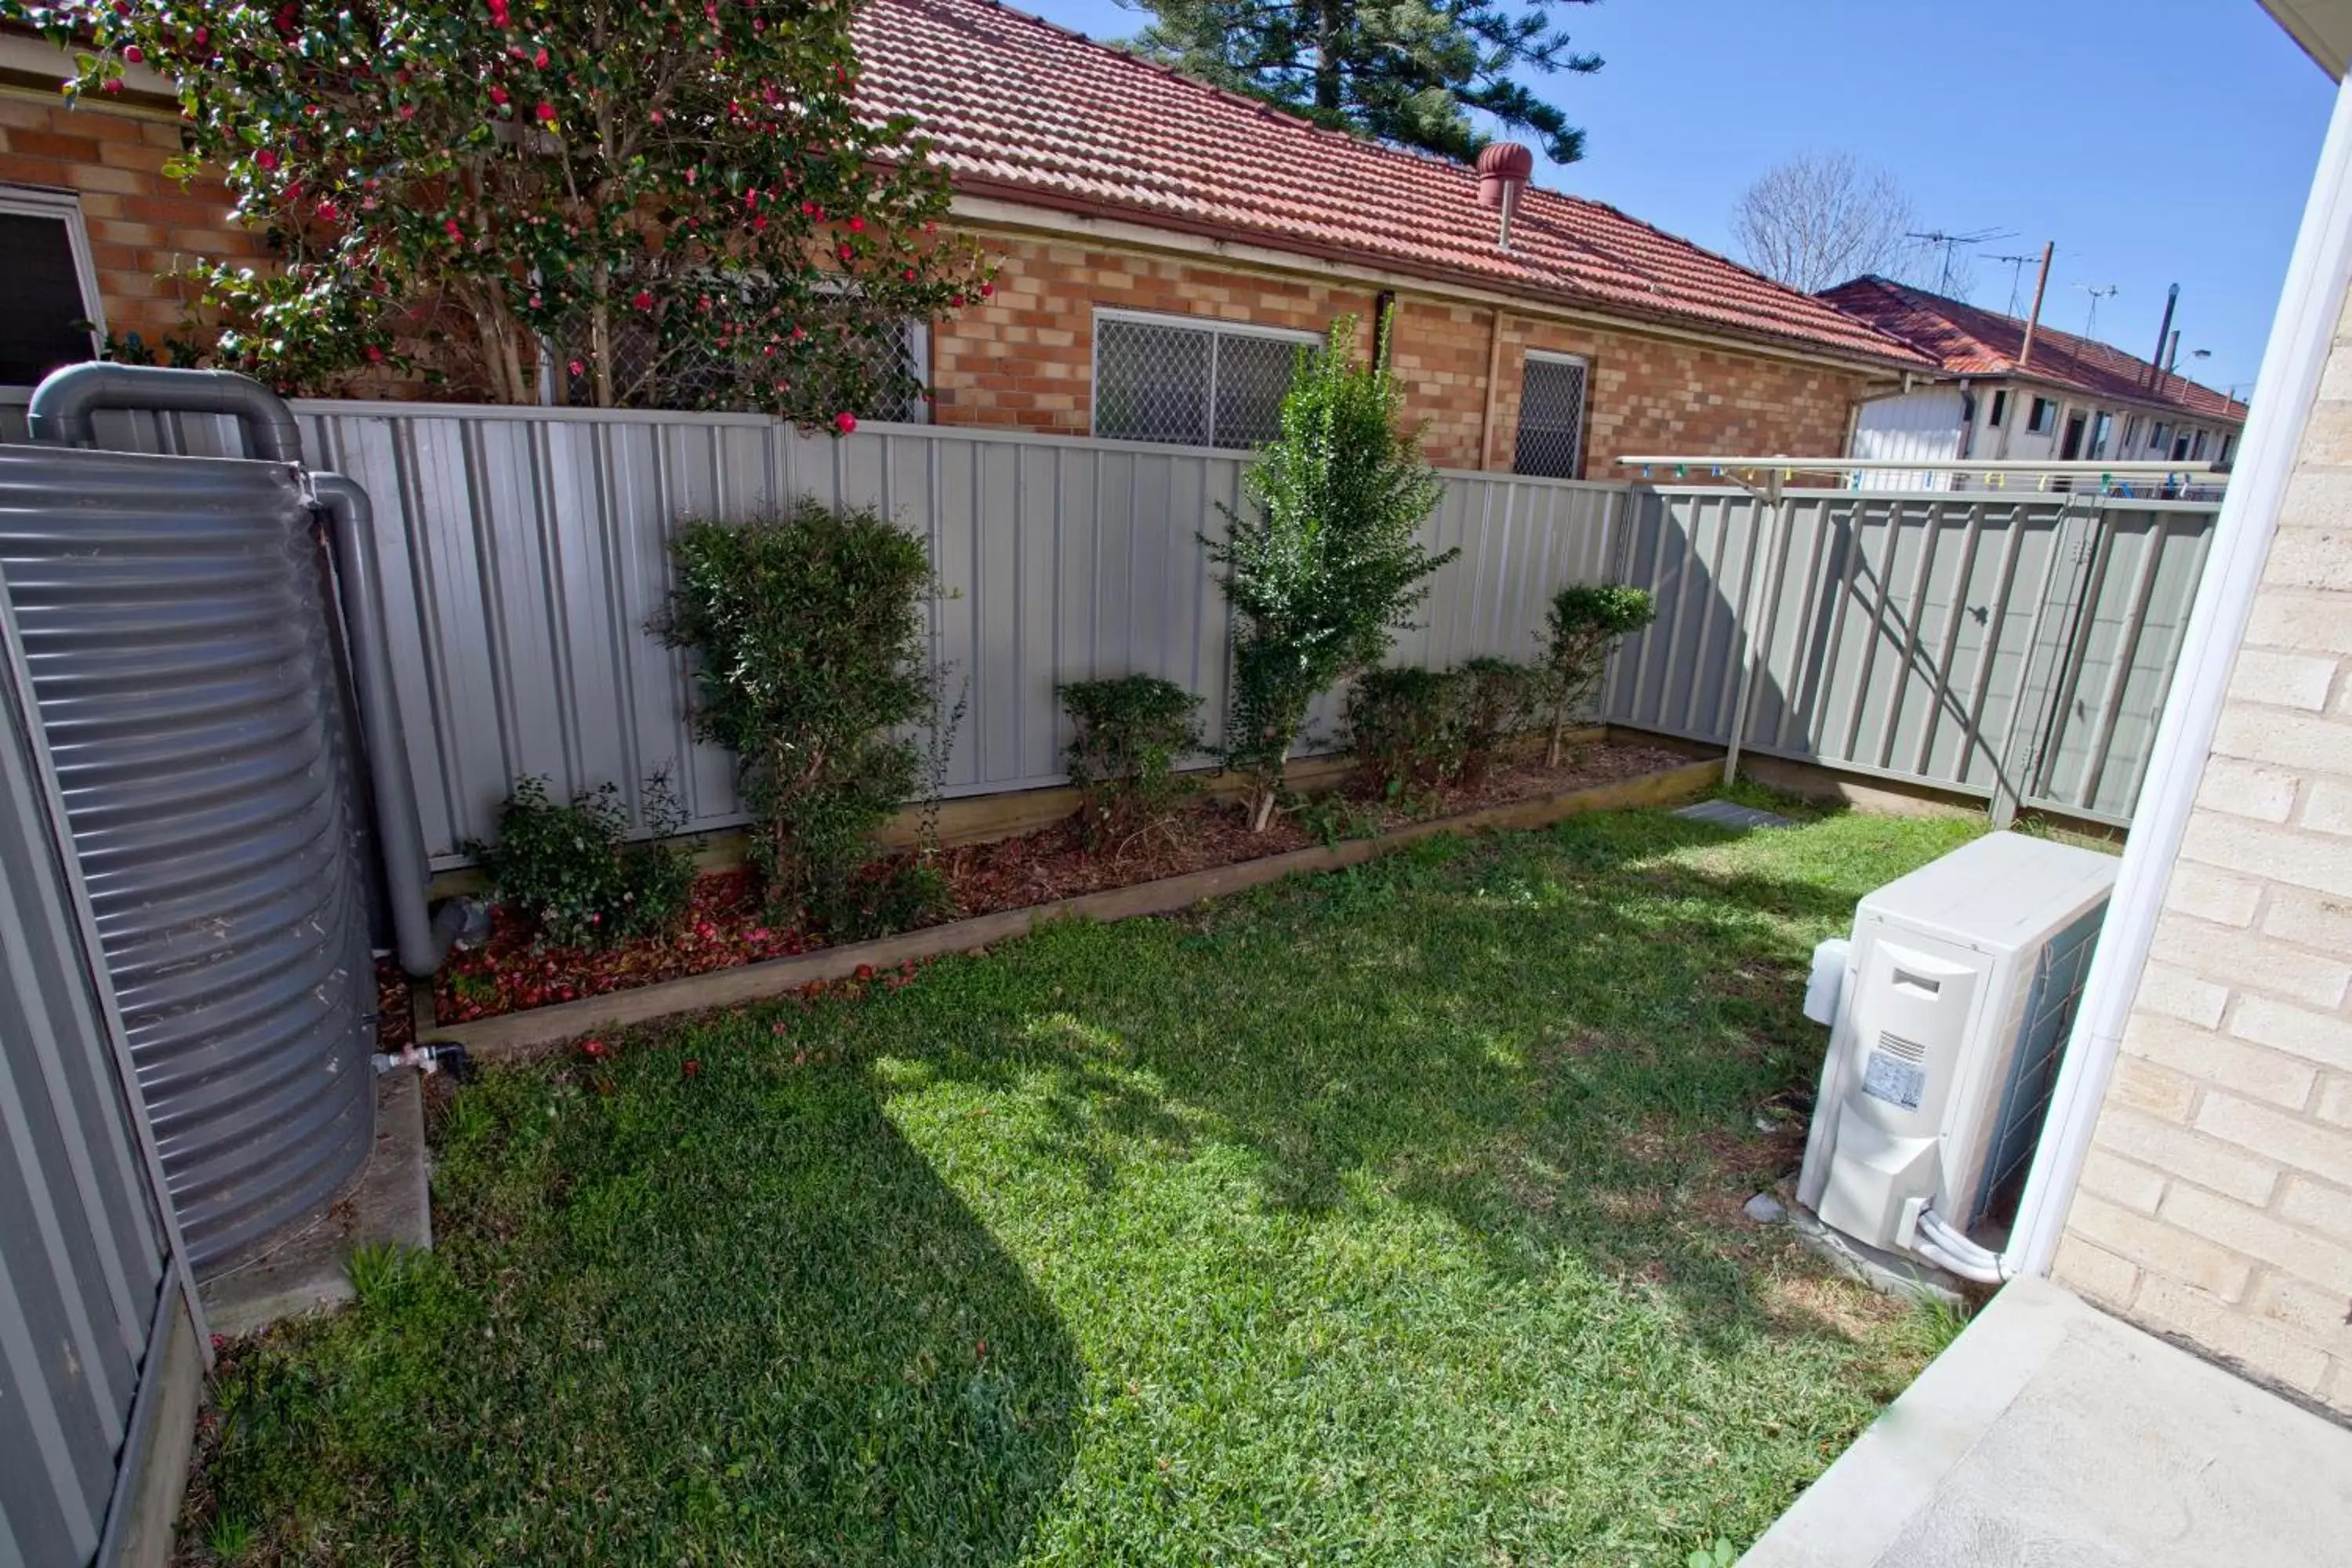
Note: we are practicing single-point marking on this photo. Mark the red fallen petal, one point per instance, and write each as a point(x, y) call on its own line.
point(865, 972)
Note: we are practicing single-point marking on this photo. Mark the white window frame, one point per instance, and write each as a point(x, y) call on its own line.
point(39, 201)
point(1212, 325)
point(2044, 415)
point(1583, 412)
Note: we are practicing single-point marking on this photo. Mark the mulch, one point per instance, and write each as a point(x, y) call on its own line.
point(726, 924)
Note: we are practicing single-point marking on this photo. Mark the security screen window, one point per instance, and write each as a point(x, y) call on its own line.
point(45, 311)
point(1160, 378)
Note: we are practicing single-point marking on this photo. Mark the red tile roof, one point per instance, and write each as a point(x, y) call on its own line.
point(1021, 109)
point(1967, 340)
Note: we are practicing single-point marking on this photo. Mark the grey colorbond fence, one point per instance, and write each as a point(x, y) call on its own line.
point(2015, 647)
point(2003, 646)
point(523, 554)
point(87, 1277)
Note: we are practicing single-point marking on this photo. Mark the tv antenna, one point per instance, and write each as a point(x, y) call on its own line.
point(2097, 291)
point(2017, 266)
point(1950, 244)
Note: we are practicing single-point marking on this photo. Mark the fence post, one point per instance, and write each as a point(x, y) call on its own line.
point(1769, 557)
point(2039, 678)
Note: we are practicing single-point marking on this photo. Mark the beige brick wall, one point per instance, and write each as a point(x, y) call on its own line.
point(2217, 1203)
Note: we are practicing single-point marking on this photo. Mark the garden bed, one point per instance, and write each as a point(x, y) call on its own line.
point(513, 992)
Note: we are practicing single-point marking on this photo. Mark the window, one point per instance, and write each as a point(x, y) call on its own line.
point(1162, 378)
point(2131, 434)
point(50, 312)
point(1552, 417)
point(2102, 428)
point(2160, 436)
point(2197, 447)
point(2042, 417)
point(2180, 447)
point(2000, 410)
point(2227, 443)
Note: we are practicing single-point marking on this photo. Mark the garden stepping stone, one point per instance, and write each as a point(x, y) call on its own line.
point(1730, 814)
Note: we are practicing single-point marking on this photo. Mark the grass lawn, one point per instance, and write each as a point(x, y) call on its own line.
point(1391, 1216)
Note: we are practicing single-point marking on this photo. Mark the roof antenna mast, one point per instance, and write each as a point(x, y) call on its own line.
point(2040, 286)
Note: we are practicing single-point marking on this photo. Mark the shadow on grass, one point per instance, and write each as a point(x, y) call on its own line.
point(732, 1317)
point(1562, 1041)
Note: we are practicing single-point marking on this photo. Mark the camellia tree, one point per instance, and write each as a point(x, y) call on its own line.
point(661, 202)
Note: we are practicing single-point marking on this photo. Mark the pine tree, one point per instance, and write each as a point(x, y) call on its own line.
point(1408, 72)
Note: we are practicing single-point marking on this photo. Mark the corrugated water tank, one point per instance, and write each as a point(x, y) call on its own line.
point(183, 664)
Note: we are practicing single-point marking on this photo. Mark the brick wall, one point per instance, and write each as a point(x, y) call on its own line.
point(141, 224)
point(2217, 1202)
point(1025, 359)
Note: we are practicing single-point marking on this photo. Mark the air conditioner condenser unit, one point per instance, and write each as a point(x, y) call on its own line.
point(1954, 1002)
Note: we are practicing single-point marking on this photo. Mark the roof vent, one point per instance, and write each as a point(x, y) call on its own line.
point(1504, 168)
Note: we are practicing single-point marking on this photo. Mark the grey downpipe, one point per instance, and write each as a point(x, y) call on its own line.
point(65, 404)
point(422, 939)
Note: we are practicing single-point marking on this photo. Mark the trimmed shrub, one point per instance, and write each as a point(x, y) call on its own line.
point(1130, 732)
point(571, 870)
point(1586, 621)
point(810, 663)
point(1326, 566)
point(1494, 700)
point(1404, 727)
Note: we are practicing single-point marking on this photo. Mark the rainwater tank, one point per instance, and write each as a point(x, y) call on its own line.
point(185, 669)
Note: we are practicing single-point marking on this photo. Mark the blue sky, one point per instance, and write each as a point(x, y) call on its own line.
point(2155, 140)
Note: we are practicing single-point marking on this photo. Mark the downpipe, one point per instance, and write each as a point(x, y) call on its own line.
point(64, 408)
point(422, 936)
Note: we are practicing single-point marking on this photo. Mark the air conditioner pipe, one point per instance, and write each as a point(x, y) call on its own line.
point(1941, 1244)
point(64, 405)
point(423, 939)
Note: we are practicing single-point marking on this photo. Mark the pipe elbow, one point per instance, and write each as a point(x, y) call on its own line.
point(64, 407)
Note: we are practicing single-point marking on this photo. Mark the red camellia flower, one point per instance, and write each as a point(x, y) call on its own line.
point(643, 300)
point(576, 368)
point(857, 226)
point(910, 275)
point(265, 159)
point(408, 111)
point(846, 253)
point(846, 422)
point(539, 59)
point(498, 95)
point(455, 232)
point(132, 54)
point(546, 109)
point(986, 290)
point(376, 354)
point(957, 302)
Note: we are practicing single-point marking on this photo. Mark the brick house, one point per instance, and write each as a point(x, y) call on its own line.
point(1164, 246)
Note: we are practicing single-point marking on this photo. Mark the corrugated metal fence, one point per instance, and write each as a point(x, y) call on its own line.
point(1955, 639)
point(2018, 649)
point(87, 1277)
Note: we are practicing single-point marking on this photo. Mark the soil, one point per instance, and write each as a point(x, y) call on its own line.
point(725, 925)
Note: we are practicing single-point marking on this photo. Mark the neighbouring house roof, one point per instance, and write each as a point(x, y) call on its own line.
point(1020, 109)
point(1966, 340)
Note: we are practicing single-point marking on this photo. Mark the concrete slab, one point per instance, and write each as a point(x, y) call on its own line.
point(388, 1201)
point(2051, 1434)
point(1727, 814)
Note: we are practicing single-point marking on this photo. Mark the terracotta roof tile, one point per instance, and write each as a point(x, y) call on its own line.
point(1022, 109)
point(1967, 340)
